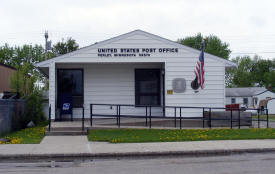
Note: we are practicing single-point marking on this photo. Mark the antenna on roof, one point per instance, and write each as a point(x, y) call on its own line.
point(47, 44)
point(46, 35)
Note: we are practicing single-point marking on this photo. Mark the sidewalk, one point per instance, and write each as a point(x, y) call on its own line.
point(79, 146)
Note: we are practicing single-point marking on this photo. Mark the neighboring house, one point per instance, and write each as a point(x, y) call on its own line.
point(135, 68)
point(249, 97)
point(271, 106)
point(5, 73)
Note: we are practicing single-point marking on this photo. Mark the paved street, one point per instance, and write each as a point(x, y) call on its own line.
point(245, 163)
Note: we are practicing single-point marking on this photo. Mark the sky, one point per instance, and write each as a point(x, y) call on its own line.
point(247, 25)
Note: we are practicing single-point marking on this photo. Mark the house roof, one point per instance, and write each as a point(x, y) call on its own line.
point(244, 92)
point(178, 45)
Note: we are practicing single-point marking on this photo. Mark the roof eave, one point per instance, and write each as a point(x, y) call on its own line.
point(228, 64)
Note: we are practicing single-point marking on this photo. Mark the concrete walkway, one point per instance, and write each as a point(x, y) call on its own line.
point(79, 146)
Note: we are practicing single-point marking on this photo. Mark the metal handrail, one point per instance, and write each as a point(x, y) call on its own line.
point(118, 114)
point(83, 118)
point(49, 119)
point(186, 107)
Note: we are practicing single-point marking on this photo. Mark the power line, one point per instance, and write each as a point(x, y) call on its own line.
point(264, 52)
point(236, 39)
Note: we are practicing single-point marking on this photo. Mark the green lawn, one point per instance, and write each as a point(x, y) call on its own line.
point(263, 117)
point(32, 135)
point(164, 135)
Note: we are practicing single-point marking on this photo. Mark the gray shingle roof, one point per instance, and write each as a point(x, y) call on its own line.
point(244, 92)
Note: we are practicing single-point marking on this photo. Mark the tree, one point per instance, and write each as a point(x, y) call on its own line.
point(213, 44)
point(64, 47)
point(6, 53)
point(252, 72)
point(270, 80)
point(17, 56)
point(21, 82)
point(242, 75)
point(229, 76)
point(260, 69)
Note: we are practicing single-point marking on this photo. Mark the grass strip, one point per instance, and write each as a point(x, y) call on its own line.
point(32, 135)
point(264, 117)
point(165, 135)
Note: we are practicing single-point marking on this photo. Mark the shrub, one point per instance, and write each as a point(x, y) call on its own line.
point(34, 109)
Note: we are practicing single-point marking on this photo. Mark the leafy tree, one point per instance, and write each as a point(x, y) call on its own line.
point(17, 56)
point(229, 76)
point(21, 82)
point(6, 53)
point(252, 72)
point(213, 44)
point(260, 69)
point(270, 80)
point(242, 75)
point(64, 47)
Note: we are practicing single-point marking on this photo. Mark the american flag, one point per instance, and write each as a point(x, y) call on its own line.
point(199, 70)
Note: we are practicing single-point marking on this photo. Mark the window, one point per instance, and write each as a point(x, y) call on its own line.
point(233, 100)
point(147, 87)
point(245, 101)
point(256, 101)
point(70, 81)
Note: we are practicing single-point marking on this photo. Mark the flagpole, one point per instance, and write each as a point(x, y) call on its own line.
point(202, 50)
point(199, 71)
point(203, 43)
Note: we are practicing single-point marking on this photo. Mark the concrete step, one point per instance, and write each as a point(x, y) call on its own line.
point(65, 133)
point(67, 129)
point(59, 131)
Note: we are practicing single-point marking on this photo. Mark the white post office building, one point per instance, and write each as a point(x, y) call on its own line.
point(137, 68)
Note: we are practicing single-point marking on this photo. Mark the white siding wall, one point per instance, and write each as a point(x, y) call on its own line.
point(271, 106)
point(52, 89)
point(211, 96)
point(228, 100)
point(110, 84)
point(177, 65)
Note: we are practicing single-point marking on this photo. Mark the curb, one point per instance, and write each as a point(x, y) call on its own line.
point(201, 153)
